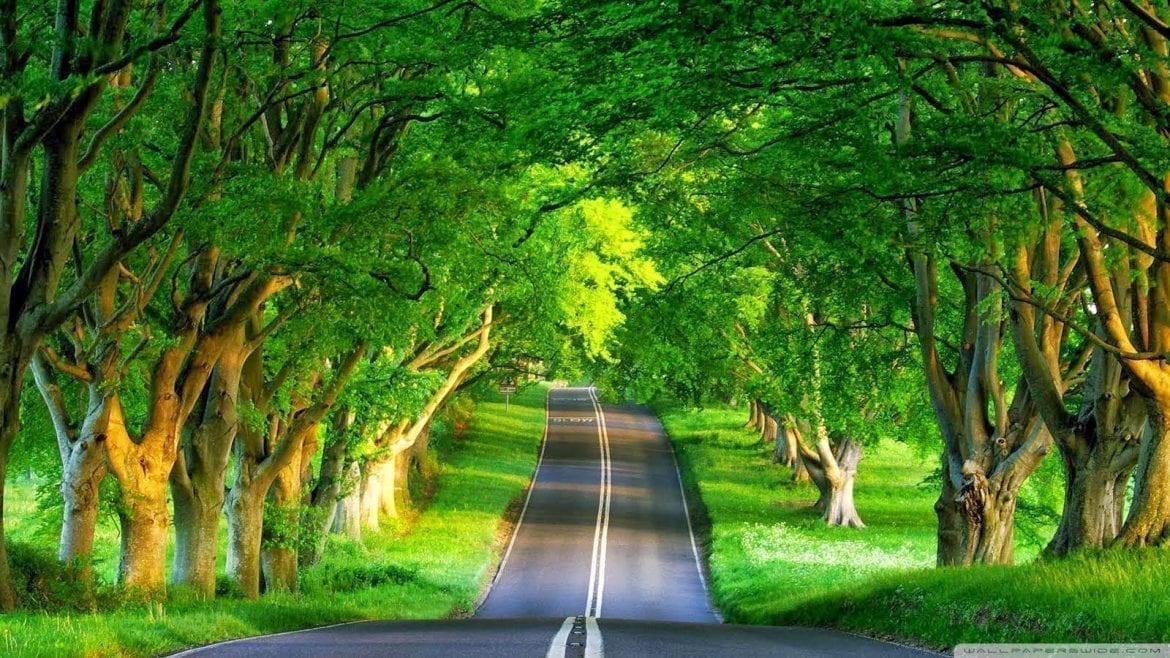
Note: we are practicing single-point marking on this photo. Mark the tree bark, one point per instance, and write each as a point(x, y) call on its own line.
point(1148, 523)
point(786, 451)
point(83, 468)
point(196, 540)
point(348, 520)
point(245, 514)
point(200, 474)
point(833, 470)
point(322, 509)
point(754, 418)
point(278, 548)
point(11, 375)
point(950, 534)
point(370, 495)
point(1094, 501)
point(260, 458)
point(81, 482)
point(145, 521)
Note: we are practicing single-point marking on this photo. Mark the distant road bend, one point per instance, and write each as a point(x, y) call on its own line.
point(602, 562)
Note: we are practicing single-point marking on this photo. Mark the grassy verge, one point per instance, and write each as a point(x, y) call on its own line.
point(435, 568)
point(773, 562)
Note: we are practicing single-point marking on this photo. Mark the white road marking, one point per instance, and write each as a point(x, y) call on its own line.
point(594, 646)
point(607, 466)
point(682, 492)
point(527, 499)
point(601, 531)
point(558, 649)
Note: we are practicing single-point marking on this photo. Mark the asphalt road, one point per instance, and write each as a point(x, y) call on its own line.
point(602, 562)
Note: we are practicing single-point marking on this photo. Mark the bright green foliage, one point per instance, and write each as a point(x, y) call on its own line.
point(606, 266)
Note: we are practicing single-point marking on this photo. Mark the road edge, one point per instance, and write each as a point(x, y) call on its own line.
point(498, 567)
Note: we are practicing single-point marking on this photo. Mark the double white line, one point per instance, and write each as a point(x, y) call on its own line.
point(601, 532)
point(594, 645)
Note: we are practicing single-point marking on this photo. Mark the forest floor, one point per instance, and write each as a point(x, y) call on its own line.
point(432, 566)
point(772, 560)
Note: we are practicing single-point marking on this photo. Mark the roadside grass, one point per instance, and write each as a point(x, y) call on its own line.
point(772, 561)
point(432, 568)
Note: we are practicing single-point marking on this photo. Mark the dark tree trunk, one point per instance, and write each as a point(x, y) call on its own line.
point(11, 376)
point(950, 522)
point(323, 501)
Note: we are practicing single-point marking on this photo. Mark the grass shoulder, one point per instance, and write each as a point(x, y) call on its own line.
point(434, 567)
point(772, 561)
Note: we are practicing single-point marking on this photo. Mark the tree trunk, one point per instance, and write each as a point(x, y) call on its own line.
point(323, 503)
point(976, 522)
point(282, 532)
point(786, 452)
point(10, 380)
point(990, 522)
point(834, 471)
point(142, 569)
point(370, 494)
point(754, 415)
point(950, 521)
point(408, 465)
point(770, 430)
point(1148, 523)
point(14, 364)
point(245, 513)
point(80, 489)
point(392, 480)
point(348, 520)
point(197, 538)
point(1096, 476)
point(977, 513)
point(200, 476)
point(279, 566)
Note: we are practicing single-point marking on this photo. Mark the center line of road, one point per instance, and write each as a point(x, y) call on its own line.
point(557, 649)
point(601, 532)
point(590, 636)
point(594, 647)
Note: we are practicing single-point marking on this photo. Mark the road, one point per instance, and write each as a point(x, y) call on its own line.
point(602, 562)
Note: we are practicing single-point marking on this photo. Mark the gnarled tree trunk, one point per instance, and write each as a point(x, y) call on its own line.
point(200, 474)
point(1148, 523)
point(833, 469)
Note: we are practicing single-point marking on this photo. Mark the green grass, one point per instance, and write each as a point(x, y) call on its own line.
point(772, 561)
point(434, 568)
